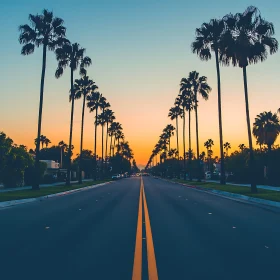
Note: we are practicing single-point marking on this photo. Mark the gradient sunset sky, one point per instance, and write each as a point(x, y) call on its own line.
point(140, 51)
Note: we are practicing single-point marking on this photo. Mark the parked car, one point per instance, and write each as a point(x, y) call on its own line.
point(116, 176)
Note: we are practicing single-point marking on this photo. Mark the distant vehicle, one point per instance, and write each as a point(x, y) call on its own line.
point(116, 176)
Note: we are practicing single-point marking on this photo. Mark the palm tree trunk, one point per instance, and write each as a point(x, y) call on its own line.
point(169, 143)
point(102, 150)
point(222, 179)
point(111, 142)
point(106, 148)
point(197, 142)
point(184, 143)
point(37, 163)
point(190, 148)
point(95, 140)
point(114, 145)
point(81, 146)
point(61, 157)
point(68, 179)
point(177, 136)
point(252, 158)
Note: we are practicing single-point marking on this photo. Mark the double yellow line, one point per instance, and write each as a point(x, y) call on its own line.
point(137, 266)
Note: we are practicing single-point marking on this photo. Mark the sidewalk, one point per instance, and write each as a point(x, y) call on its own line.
point(271, 188)
point(2, 190)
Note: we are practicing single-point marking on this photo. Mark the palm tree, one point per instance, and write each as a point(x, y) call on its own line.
point(266, 128)
point(208, 38)
point(101, 120)
point(242, 147)
point(198, 85)
point(47, 142)
point(103, 106)
point(71, 55)
point(42, 140)
point(93, 104)
point(174, 113)
point(227, 147)
point(47, 31)
point(247, 40)
point(186, 99)
point(169, 130)
point(62, 146)
point(109, 118)
point(208, 145)
point(82, 88)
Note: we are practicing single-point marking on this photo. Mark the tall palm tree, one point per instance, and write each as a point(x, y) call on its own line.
point(62, 146)
point(82, 88)
point(101, 120)
point(208, 145)
point(93, 104)
point(71, 55)
point(169, 130)
point(247, 40)
point(186, 98)
point(174, 113)
point(109, 118)
point(227, 147)
point(199, 86)
point(208, 38)
point(103, 106)
point(47, 31)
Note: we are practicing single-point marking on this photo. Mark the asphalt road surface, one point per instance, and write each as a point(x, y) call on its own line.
point(139, 229)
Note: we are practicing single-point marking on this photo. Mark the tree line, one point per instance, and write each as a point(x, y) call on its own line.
point(47, 31)
point(239, 40)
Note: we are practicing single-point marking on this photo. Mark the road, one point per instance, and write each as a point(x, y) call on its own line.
point(139, 229)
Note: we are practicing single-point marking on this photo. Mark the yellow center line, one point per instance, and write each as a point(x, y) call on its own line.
point(137, 266)
point(152, 265)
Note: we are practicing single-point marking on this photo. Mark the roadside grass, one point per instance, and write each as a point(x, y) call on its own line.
point(14, 195)
point(263, 194)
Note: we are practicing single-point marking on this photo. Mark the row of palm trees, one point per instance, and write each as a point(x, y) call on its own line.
point(43, 140)
point(49, 32)
point(238, 39)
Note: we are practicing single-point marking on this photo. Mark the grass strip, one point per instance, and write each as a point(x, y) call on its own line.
point(14, 195)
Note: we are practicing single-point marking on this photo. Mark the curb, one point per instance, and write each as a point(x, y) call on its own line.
point(232, 196)
point(10, 203)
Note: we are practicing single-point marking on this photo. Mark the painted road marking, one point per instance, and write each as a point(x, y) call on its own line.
point(152, 265)
point(137, 266)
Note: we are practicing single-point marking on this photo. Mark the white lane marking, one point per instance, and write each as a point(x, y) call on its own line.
point(266, 247)
point(96, 200)
point(209, 213)
point(179, 196)
point(47, 227)
point(80, 209)
point(233, 227)
point(186, 199)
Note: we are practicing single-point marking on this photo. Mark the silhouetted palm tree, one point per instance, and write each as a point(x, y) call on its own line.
point(103, 106)
point(93, 104)
point(227, 147)
point(242, 147)
point(174, 113)
point(47, 31)
point(62, 146)
point(47, 142)
point(208, 145)
point(198, 85)
point(169, 130)
point(109, 118)
point(71, 55)
point(266, 128)
point(247, 40)
point(208, 38)
point(82, 88)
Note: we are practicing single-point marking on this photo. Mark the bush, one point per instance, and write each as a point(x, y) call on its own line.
point(29, 174)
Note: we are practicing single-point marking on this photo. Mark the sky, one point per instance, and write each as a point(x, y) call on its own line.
point(140, 51)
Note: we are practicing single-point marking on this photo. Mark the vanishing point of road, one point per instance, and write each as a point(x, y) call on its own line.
point(139, 228)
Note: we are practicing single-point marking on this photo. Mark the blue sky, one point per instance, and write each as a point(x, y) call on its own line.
point(140, 51)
